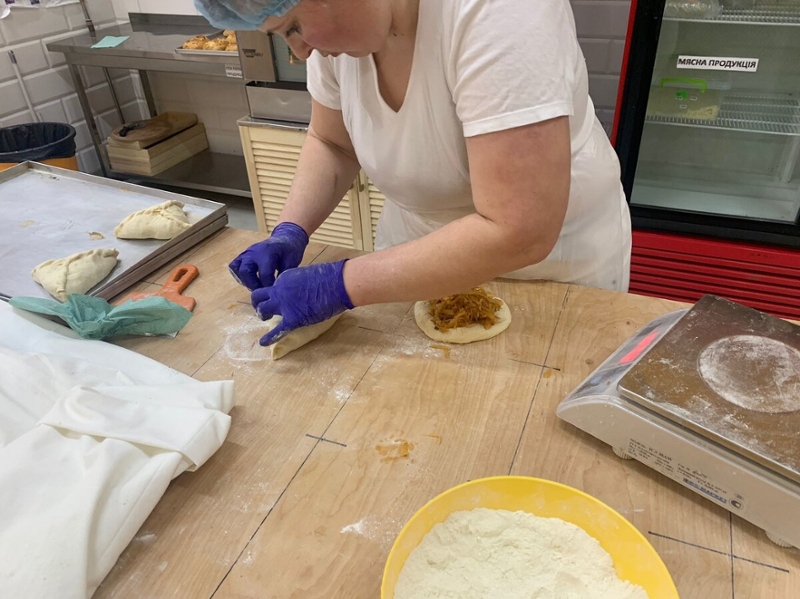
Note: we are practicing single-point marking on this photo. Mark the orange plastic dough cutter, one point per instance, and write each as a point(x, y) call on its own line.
point(176, 283)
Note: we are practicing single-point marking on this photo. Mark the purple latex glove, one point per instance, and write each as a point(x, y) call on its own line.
point(255, 267)
point(302, 296)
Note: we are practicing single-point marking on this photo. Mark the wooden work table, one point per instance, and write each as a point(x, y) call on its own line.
point(333, 448)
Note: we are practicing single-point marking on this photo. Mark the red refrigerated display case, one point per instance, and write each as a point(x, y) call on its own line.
point(708, 133)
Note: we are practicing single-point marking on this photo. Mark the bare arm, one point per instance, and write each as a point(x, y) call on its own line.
point(325, 171)
point(520, 184)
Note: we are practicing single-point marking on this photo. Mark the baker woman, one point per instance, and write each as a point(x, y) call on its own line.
point(473, 118)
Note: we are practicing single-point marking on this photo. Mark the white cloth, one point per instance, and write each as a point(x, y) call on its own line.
point(482, 66)
point(90, 436)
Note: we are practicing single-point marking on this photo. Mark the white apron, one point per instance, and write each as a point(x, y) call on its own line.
point(483, 66)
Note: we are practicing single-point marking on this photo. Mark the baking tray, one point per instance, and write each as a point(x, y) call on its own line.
point(48, 213)
point(206, 52)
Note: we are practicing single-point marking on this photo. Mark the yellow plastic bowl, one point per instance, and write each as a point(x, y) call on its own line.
point(634, 558)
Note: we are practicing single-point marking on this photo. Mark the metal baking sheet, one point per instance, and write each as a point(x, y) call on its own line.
point(48, 213)
point(206, 52)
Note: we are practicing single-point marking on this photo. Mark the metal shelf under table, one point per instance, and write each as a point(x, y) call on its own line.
point(207, 171)
point(151, 44)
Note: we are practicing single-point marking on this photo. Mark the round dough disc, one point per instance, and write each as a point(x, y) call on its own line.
point(752, 372)
point(474, 332)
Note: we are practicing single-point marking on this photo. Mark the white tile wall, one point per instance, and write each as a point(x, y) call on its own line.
point(602, 25)
point(27, 32)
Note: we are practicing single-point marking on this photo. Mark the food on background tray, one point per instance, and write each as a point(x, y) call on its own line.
point(196, 43)
point(220, 44)
point(226, 43)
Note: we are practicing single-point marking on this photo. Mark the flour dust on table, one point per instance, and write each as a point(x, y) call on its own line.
point(485, 554)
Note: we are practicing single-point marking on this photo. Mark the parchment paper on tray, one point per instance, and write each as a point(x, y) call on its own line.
point(48, 213)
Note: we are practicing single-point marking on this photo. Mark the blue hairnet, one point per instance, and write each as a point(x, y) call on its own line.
point(242, 14)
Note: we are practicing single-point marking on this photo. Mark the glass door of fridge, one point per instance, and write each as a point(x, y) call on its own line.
point(722, 128)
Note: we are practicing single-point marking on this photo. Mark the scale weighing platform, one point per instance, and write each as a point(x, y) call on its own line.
point(709, 397)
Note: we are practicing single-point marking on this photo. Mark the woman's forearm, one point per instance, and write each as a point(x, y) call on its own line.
point(324, 174)
point(457, 257)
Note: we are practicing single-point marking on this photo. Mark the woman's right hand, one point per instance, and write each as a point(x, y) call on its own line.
point(256, 267)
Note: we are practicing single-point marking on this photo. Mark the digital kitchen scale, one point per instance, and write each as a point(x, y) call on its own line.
point(709, 397)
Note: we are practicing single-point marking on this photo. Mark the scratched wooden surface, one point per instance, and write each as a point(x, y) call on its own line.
point(333, 448)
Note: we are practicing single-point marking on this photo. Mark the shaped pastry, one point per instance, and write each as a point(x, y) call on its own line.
point(75, 274)
point(297, 338)
point(164, 221)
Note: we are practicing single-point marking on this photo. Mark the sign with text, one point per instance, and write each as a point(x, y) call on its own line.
point(718, 63)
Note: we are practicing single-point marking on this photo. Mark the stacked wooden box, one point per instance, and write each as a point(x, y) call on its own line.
point(156, 144)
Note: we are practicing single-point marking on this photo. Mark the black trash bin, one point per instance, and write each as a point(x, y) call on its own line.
point(51, 143)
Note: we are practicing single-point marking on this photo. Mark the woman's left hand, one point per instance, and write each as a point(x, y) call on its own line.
point(302, 296)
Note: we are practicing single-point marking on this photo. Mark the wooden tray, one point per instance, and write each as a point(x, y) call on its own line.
point(154, 130)
point(161, 156)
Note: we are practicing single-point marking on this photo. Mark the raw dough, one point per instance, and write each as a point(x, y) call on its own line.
point(488, 554)
point(473, 332)
point(75, 274)
point(756, 373)
point(297, 338)
point(164, 221)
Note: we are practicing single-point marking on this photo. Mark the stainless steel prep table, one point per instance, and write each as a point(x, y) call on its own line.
point(151, 44)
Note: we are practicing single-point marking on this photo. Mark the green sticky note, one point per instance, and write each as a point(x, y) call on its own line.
point(110, 41)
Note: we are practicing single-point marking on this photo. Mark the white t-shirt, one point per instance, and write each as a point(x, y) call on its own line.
point(482, 66)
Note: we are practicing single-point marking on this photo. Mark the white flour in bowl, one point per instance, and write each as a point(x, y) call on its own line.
point(483, 554)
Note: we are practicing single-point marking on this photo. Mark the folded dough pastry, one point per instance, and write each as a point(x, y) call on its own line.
point(297, 338)
point(164, 221)
point(75, 274)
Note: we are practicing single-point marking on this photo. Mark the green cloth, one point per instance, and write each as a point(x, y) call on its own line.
point(110, 41)
point(94, 318)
